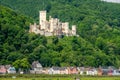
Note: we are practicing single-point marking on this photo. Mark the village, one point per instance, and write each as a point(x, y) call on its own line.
point(54, 27)
point(36, 68)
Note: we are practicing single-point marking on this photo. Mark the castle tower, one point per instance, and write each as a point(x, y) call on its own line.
point(51, 20)
point(42, 19)
point(74, 30)
point(66, 28)
point(33, 28)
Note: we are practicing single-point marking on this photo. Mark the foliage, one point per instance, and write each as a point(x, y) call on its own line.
point(97, 24)
point(21, 64)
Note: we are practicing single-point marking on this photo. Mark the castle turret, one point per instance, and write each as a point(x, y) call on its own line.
point(54, 24)
point(51, 24)
point(42, 19)
point(74, 30)
point(65, 28)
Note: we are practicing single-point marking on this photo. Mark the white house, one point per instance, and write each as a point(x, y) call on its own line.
point(54, 70)
point(36, 68)
point(91, 72)
point(116, 72)
point(11, 70)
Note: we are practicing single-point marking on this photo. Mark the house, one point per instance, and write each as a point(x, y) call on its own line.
point(81, 70)
point(91, 71)
point(45, 70)
point(106, 70)
point(63, 70)
point(11, 70)
point(72, 70)
point(87, 71)
point(36, 67)
point(54, 70)
point(116, 72)
point(3, 70)
point(58, 70)
point(99, 72)
point(7, 66)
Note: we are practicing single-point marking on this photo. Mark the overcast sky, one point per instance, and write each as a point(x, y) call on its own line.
point(117, 1)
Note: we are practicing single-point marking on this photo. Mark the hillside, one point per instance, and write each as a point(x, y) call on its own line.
point(97, 24)
point(18, 45)
point(13, 34)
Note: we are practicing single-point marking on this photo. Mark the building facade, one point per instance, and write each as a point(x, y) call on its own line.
point(52, 27)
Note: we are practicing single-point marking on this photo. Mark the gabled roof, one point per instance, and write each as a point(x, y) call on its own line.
point(36, 64)
point(2, 68)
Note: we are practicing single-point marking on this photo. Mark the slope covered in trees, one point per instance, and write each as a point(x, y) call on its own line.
point(98, 24)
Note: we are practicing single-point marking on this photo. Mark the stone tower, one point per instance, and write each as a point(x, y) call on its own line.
point(66, 28)
point(42, 19)
point(74, 30)
point(51, 24)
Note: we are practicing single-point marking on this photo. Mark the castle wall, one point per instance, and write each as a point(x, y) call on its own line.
point(33, 28)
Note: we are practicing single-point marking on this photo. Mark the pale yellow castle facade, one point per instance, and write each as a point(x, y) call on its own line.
point(52, 27)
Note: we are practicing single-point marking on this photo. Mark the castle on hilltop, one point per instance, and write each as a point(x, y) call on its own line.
point(53, 27)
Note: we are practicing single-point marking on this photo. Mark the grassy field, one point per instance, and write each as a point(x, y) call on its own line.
point(64, 78)
point(54, 77)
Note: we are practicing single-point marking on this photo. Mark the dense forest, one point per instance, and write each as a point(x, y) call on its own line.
point(98, 24)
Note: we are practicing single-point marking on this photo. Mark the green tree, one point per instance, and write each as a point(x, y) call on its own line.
point(22, 64)
point(55, 40)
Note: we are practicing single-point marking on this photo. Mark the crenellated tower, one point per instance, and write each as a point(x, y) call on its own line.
point(74, 30)
point(42, 19)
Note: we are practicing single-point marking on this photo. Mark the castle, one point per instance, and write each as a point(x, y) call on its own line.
point(53, 27)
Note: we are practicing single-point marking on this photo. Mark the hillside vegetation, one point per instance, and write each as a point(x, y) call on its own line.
point(98, 24)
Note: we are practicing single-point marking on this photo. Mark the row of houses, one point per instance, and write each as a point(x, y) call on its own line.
point(36, 68)
point(7, 69)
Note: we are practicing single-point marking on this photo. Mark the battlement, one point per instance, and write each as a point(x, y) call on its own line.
point(53, 27)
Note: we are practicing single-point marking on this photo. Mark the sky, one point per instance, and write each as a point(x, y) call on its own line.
point(116, 1)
